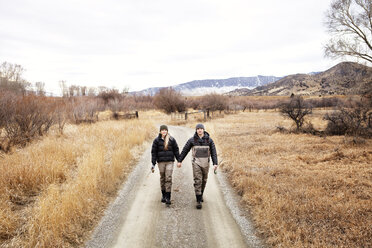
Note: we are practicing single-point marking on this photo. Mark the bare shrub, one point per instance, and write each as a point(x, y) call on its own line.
point(324, 102)
point(241, 103)
point(296, 109)
point(192, 102)
point(85, 110)
point(169, 100)
point(145, 102)
point(62, 111)
point(352, 118)
point(108, 95)
point(24, 118)
point(214, 102)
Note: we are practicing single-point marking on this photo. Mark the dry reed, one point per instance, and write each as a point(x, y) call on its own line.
point(302, 190)
point(54, 191)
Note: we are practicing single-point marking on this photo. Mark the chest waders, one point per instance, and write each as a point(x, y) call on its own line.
point(200, 167)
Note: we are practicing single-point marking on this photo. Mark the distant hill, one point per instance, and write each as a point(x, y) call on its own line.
point(345, 78)
point(202, 87)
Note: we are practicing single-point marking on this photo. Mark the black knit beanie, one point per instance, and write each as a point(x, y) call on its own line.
point(163, 127)
point(200, 126)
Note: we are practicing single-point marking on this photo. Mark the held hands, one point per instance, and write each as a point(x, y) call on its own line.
point(179, 164)
point(215, 168)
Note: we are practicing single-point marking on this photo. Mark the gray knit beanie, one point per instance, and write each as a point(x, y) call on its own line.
point(163, 127)
point(200, 126)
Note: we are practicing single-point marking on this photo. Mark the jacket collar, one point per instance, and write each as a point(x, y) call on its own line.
point(206, 135)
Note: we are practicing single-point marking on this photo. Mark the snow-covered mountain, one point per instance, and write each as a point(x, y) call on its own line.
point(202, 87)
point(346, 78)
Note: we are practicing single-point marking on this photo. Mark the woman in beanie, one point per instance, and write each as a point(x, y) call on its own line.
point(164, 150)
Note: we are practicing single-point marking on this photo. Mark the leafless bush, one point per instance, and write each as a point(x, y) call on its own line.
point(324, 102)
point(140, 102)
point(169, 100)
point(352, 118)
point(108, 95)
point(85, 110)
point(241, 103)
point(23, 118)
point(296, 109)
point(214, 102)
point(192, 102)
point(61, 113)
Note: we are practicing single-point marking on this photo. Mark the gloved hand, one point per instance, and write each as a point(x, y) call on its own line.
point(153, 168)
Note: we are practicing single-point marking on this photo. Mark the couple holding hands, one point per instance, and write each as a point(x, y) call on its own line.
point(165, 149)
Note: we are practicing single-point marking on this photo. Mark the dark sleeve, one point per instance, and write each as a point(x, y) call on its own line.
point(154, 151)
point(176, 150)
point(186, 149)
point(213, 152)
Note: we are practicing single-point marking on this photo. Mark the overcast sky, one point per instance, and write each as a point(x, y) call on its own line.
point(146, 43)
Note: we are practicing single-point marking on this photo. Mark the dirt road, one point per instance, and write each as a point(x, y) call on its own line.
point(138, 219)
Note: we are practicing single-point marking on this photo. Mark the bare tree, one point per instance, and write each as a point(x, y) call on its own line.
point(296, 109)
point(350, 23)
point(40, 88)
point(74, 90)
point(92, 91)
point(85, 110)
point(169, 100)
point(11, 78)
point(214, 102)
point(61, 113)
point(83, 90)
point(12, 72)
point(64, 88)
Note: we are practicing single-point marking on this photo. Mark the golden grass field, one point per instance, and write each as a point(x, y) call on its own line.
point(54, 191)
point(302, 190)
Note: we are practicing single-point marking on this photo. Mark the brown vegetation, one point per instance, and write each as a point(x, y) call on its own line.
point(169, 100)
point(22, 118)
point(354, 118)
point(302, 190)
point(296, 109)
point(54, 191)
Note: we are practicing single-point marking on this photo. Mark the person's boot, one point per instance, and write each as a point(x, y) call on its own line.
point(168, 198)
point(198, 200)
point(163, 196)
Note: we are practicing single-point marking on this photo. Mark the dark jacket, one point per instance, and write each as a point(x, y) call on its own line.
point(197, 141)
point(158, 154)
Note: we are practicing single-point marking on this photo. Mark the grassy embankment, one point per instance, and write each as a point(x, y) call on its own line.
point(302, 190)
point(54, 191)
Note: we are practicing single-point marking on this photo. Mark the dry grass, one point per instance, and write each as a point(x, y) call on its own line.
point(53, 192)
point(302, 190)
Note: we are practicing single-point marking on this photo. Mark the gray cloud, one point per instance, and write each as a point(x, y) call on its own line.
point(147, 43)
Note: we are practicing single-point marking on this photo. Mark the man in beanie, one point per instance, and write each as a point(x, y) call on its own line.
point(164, 150)
point(202, 149)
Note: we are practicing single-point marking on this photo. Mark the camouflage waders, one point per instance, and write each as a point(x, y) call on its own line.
point(200, 167)
point(166, 171)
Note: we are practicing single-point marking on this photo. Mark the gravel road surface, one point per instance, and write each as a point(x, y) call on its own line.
point(137, 218)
